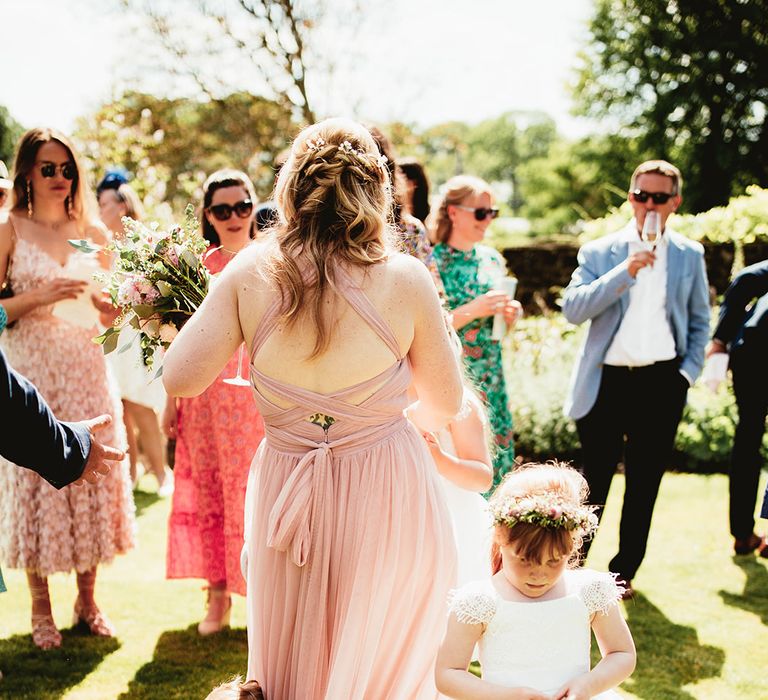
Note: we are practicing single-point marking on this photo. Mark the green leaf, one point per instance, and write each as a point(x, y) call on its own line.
point(110, 341)
point(165, 289)
point(144, 310)
point(84, 245)
point(188, 257)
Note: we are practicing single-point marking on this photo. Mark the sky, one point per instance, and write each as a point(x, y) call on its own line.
point(417, 61)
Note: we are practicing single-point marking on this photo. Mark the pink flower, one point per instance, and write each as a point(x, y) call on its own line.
point(555, 512)
point(148, 291)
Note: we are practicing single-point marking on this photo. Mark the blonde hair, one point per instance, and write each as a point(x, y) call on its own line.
point(333, 196)
point(658, 167)
point(533, 541)
point(456, 191)
point(79, 203)
point(236, 690)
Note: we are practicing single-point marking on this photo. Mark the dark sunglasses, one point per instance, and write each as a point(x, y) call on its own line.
point(223, 212)
point(68, 170)
point(481, 213)
point(657, 197)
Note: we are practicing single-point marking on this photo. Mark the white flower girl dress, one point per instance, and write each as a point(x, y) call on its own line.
point(537, 644)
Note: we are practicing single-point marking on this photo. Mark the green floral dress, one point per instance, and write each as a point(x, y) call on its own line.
point(466, 275)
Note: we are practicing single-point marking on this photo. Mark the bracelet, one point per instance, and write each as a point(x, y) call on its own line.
point(3, 318)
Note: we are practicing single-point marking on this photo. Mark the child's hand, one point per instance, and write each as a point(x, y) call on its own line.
point(576, 689)
point(432, 443)
point(527, 694)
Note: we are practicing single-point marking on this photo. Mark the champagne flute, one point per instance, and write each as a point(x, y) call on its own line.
point(238, 379)
point(651, 230)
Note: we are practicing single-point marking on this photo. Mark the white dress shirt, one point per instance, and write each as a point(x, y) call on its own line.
point(644, 336)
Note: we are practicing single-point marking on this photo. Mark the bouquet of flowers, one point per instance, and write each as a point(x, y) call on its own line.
point(158, 281)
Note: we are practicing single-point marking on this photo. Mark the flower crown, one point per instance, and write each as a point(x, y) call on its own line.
point(547, 510)
point(348, 150)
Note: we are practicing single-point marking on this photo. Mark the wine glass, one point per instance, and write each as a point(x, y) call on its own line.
point(651, 230)
point(238, 379)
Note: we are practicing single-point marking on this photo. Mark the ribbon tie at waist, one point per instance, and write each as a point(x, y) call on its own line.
point(300, 503)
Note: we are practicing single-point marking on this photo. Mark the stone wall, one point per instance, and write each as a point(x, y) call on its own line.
point(544, 269)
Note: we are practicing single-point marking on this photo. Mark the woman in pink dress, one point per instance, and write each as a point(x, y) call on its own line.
point(44, 530)
point(350, 549)
point(216, 433)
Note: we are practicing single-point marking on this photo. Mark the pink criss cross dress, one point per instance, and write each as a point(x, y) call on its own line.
point(350, 548)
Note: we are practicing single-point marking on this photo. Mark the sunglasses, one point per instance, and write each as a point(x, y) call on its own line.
point(657, 197)
point(68, 170)
point(223, 212)
point(481, 213)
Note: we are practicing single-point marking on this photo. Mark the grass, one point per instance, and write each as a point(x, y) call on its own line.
point(699, 620)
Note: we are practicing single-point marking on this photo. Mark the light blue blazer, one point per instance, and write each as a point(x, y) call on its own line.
point(599, 293)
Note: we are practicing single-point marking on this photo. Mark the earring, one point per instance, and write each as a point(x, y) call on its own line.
point(29, 201)
point(69, 206)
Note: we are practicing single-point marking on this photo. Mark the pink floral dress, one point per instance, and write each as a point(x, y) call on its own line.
point(75, 528)
point(217, 435)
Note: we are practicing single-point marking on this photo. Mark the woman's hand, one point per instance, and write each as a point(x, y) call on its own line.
point(513, 312)
point(58, 289)
point(107, 312)
point(488, 304)
point(169, 418)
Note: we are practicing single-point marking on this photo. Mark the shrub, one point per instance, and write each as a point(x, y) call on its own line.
point(539, 357)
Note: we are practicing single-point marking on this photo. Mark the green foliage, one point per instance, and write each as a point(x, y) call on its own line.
point(171, 145)
point(687, 79)
point(540, 356)
point(10, 132)
point(493, 149)
point(744, 220)
point(577, 181)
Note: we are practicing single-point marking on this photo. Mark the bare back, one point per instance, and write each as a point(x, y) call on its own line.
point(356, 352)
point(242, 302)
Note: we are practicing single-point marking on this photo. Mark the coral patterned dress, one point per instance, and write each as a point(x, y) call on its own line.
point(217, 435)
point(350, 550)
point(43, 529)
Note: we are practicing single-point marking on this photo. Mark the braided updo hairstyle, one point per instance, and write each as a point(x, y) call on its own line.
point(333, 196)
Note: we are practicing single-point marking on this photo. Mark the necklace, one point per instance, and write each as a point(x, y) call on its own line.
point(227, 250)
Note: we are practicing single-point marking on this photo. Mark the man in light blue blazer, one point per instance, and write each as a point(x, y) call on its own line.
point(646, 298)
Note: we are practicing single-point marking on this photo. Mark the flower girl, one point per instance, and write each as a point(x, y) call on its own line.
point(462, 457)
point(532, 618)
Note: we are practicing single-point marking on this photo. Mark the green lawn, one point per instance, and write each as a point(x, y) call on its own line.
point(699, 621)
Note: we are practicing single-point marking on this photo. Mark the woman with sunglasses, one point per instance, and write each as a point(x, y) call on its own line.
point(216, 433)
point(470, 273)
point(43, 530)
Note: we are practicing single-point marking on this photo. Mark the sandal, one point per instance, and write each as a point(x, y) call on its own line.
point(219, 608)
point(96, 621)
point(45, 635)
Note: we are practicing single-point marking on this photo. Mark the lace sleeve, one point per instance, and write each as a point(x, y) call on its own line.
point(472, 604)
point(601, 592)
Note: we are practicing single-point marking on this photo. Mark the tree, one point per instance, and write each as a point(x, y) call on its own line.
point(689, 79)
point(493, 149)
point(10, 133)
point(264, 46)
point(171, 145)
point(575, 182)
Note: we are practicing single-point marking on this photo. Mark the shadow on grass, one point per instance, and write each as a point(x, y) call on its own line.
point(754, 599)
point(186, 665)
point(30, 673)
point(669, 656)
point(143, 500)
